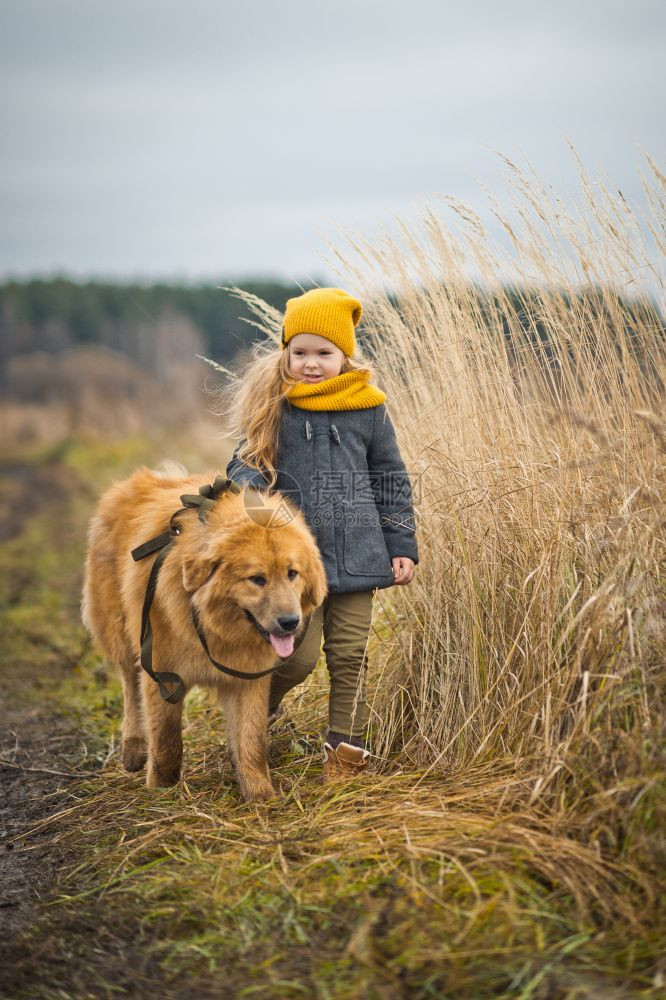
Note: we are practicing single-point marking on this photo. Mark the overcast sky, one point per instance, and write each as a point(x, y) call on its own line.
point(210, 139)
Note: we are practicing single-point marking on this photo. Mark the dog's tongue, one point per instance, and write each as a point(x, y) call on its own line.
point(282, 644)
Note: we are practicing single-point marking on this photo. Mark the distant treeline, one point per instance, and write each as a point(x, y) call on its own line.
point(162, 325)
point(154, 325)
point(116, 359)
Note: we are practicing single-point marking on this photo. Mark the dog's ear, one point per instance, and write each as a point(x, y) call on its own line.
point(197, 569)
point(316, 584)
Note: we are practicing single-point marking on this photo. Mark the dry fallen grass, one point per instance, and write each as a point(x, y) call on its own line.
point(511, 843)
point(414, 885)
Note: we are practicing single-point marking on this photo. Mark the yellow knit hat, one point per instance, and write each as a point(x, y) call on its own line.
point(328, 312)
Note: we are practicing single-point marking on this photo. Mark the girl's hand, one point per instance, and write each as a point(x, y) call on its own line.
point(403, 570)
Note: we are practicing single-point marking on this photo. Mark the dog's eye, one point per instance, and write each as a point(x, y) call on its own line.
point(259, 580)
point(292, 574)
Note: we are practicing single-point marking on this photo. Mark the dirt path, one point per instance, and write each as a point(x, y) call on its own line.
point(39, 754)
point(41, 750)
point(44, 748)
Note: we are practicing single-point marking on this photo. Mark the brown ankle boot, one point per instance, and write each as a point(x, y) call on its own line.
point(343, 762)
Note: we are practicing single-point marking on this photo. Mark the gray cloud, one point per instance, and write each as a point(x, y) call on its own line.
point(205, 139)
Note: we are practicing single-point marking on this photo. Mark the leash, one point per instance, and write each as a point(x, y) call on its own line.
point(204, 500)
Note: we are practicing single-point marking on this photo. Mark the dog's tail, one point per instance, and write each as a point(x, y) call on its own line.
point(168, 469)
point(85, 615)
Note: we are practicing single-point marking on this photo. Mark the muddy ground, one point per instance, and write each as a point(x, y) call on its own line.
point(41, 752)
point(44, 752)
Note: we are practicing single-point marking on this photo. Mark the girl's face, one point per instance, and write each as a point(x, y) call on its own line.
point(313, 358)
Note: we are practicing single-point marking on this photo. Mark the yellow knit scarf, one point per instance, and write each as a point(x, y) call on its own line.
point(349, 391)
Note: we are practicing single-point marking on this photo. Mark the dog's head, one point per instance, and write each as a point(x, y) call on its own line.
point(254, 571)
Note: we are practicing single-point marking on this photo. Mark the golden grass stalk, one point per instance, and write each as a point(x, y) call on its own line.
point(525, 374)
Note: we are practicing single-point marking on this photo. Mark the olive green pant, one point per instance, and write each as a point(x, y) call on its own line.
point(345, 621)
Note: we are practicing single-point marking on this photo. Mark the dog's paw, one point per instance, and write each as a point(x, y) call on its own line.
point(258, 793)
point(162, 778)
point(134, 753)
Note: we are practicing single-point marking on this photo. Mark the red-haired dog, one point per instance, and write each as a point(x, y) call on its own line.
point(236, 587)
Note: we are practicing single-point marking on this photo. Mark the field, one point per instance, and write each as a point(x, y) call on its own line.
point(510, 841)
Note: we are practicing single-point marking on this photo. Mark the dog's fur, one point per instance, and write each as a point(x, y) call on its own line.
point(216, 565)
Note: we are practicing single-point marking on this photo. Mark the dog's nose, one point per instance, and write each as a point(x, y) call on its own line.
point(289, 622)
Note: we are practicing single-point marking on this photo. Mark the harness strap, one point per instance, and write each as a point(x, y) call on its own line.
point(153, 545)
point(244, 675)
point(161, 677)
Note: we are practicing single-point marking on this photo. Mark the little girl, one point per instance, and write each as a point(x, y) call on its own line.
point(316, 430)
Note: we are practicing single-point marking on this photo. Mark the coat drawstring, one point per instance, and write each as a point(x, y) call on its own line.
point(335, 433)
point(308, 430)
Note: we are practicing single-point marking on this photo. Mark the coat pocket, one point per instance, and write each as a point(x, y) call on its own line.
point(364, 548)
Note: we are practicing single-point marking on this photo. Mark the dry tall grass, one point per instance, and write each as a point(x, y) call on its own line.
point(529, 407)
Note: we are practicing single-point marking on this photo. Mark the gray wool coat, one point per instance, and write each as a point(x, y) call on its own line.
point(344, 470)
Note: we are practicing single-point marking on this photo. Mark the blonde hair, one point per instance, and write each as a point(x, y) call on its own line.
point(252, 402)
